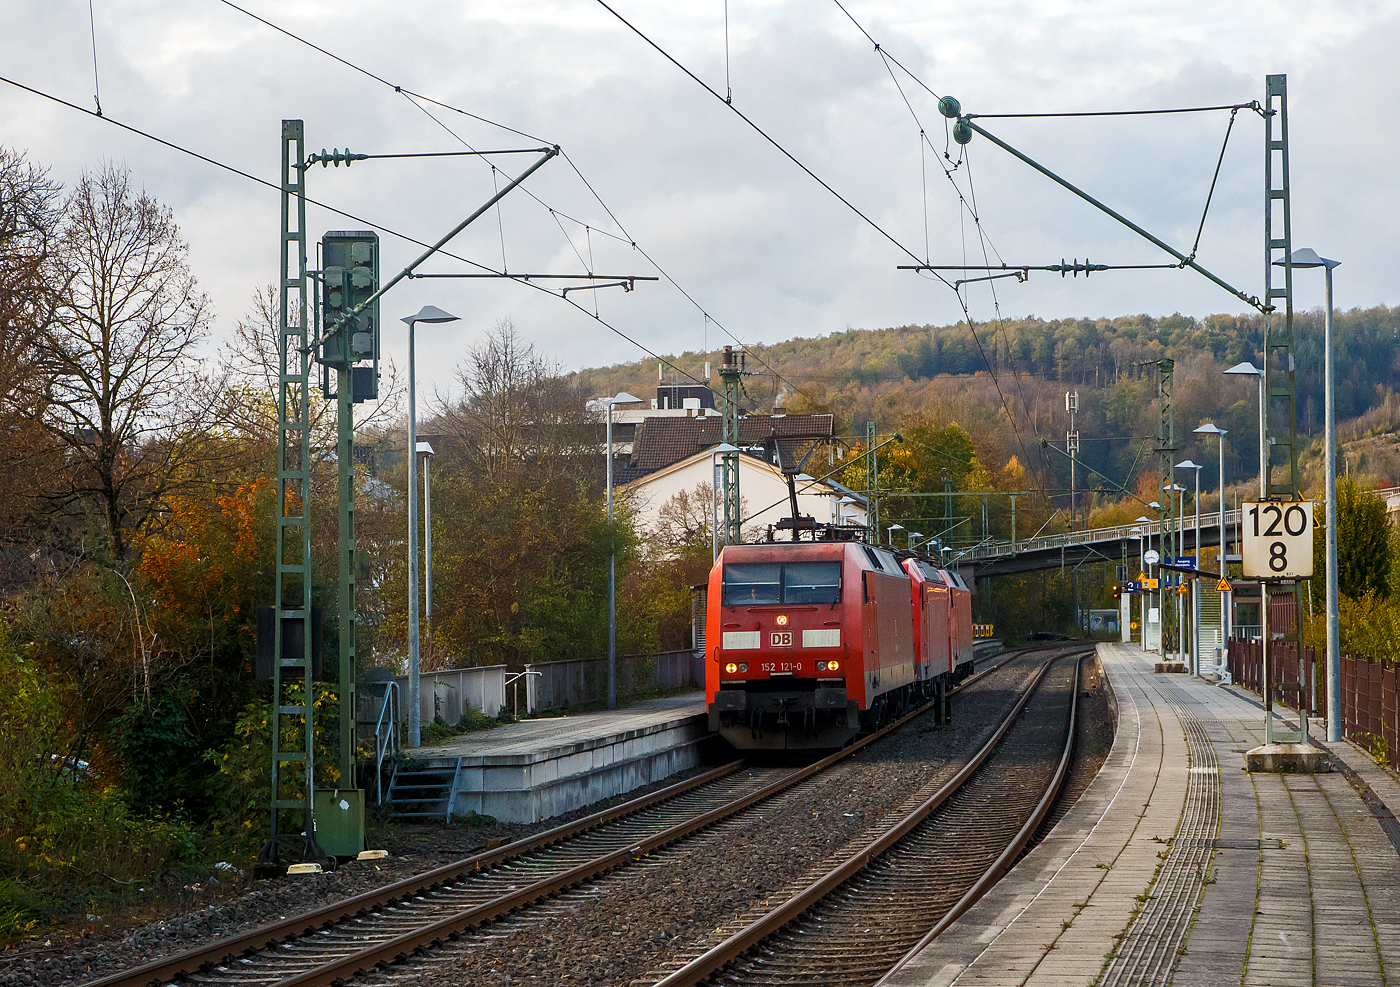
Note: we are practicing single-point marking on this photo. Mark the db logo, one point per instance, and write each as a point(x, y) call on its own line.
point(781, 639)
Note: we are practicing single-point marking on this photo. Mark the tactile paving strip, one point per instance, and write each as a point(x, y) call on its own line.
point(1150, 949)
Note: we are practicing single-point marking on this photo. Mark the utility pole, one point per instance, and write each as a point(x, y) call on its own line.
point(1166, 450)
point(730, 373)
point(1280, 412)
point(872, 487)
point(293, 765)
point(349, 276)
point(1072, 447)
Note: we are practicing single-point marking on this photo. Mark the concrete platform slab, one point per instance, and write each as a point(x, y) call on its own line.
point(1178, 865)
point(534, 769)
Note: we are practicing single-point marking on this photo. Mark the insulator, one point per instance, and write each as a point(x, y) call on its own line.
point(949, 107)
point(962, 131)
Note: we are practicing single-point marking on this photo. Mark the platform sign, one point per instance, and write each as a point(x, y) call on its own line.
point(1278, 540)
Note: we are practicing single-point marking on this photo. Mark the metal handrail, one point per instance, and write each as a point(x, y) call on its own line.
point(386, 737)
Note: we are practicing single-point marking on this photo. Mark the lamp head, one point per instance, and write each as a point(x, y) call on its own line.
point(622, 397)
point(1307, 257)
point(429, 313)
point(1186, 464)
point(1210, 428)
point(1246, 368)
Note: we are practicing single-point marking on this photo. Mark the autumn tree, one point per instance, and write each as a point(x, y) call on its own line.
point(30, 286)
point(122, 388)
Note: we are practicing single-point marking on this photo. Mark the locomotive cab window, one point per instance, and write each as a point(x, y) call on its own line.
point(753, 583)
point(769, 583)
point(812, 582)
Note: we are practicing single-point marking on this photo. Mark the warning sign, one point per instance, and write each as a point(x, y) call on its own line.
point(1223, 587)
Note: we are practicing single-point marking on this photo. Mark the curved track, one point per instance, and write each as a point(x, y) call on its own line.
point(863, 919)
point(381, 927)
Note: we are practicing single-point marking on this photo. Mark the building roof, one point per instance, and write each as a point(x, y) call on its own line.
point(659, 442)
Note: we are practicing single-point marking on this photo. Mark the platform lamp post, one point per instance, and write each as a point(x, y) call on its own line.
point(912, 536)
point(1210, 428)
point(431, 314)
point(1195, 584)
point(425, 449)
point(1248, 369)
point(1307, 257)
point(892, 529)
point(621, 398)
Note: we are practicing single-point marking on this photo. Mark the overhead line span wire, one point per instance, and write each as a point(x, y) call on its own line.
point(413, 97)
point(813, 175)
point(105, 118)
point(625, 238)
point(377, 78)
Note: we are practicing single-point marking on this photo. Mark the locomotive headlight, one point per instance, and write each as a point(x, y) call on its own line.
point(821, 666)
point(731, 668)
point(832, 666)
point(781, 620)
point(743, 666)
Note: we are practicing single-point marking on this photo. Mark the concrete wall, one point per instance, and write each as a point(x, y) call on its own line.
point(584, 681)
point(449, 693)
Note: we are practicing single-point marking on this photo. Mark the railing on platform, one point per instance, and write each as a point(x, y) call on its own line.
point(386, 736)
point(584, 681)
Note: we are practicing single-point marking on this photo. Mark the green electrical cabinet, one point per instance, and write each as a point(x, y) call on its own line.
point(340, 821)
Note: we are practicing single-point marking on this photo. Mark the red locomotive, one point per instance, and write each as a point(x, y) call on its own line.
point(810, 643)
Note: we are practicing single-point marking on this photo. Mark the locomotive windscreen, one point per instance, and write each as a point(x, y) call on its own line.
point(791, 582)
point(753, 582)
point(812, 582)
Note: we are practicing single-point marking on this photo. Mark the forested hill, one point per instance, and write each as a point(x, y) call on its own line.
point(942, 371)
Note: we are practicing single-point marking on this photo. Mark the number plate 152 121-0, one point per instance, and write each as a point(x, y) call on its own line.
point(1278, 539)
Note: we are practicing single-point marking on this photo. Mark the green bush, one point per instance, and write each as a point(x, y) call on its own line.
point(63, 838)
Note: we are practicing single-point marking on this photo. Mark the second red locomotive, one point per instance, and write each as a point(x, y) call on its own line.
point(810, 643)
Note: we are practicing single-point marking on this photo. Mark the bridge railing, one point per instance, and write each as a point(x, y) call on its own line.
point(1068, 539)
point(993, 548)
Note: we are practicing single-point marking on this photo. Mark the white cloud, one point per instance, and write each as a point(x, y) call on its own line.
point(757, 242)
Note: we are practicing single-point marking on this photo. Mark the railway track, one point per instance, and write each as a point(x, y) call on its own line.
point(372, 930)
point(860, 921)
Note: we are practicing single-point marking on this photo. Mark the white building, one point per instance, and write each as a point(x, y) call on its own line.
point(762, 487)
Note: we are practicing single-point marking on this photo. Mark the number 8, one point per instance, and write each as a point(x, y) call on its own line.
point(1278, 556)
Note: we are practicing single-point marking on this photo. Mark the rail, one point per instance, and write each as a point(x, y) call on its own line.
point(370, 953)
point(703, 967)
point(386, 736)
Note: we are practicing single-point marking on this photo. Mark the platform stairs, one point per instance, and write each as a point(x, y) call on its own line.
point(424, 789)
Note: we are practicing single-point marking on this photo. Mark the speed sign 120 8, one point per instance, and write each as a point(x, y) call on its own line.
point(1278, 539)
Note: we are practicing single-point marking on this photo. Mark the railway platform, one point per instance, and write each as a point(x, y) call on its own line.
point(1177, 865)
point(534, 769)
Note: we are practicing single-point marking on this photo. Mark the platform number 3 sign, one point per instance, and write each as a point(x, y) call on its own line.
point(1278, 540)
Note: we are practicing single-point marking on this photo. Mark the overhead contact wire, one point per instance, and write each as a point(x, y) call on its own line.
point(346, 215)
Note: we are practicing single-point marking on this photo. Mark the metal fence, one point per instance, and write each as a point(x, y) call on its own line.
point(1370, 711)
point(449, 693)
point(584, 681)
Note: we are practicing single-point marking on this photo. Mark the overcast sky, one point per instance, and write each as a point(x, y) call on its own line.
point(757, 243)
